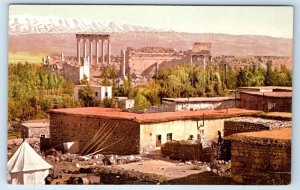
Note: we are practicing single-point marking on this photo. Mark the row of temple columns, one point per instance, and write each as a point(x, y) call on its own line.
point(90, 42)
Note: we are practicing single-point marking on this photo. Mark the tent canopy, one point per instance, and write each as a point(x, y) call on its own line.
point(25, 160)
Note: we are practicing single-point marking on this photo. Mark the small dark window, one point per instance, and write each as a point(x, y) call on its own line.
point(106, 94)
point(96, 94)
point(169, 137)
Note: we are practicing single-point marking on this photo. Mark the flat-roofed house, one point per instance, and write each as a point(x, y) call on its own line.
point(126, 133)
point(200, 103)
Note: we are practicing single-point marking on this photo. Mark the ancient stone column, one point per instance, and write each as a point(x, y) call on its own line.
point(62, 57)
point(108, 52)
point(102, 52)
point(122, 65)
point(91, 50)
point(84, 48)
point(97, 54)
point(78, 50)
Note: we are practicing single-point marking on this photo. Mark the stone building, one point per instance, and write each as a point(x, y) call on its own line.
point(124, 102)
point(267, 101)
point(35, 129)
point(262, 157)
point(145, 61)
point(200, 103)
point(100, 92)
point(71, 71)
point(201, 53)
point(137, 133)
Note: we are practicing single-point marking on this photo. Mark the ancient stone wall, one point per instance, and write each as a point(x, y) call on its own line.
point(66, 128)
point(266, 103)
point(36, 132)
point(184, 151)
point(143, 61)
point(201, 47)
point(232, 127)
point(268, 163)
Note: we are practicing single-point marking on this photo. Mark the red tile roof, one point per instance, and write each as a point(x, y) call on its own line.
point(154, 117)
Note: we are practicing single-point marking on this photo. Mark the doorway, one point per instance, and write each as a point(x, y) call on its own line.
point(158, 140)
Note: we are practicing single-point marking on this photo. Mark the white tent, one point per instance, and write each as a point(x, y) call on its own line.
point(27, 167)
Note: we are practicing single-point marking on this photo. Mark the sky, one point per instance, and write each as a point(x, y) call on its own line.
point(274, 21)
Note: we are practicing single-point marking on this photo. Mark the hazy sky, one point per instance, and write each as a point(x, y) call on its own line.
point(275, 21)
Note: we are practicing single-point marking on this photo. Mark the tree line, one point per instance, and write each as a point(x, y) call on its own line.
point(32, 91)
point(195, 81)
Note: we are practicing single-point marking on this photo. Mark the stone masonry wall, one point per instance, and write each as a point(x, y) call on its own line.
point(145, 65)
point(232, 127)
point(66, 128)
point(264, 103)
point(184, 151)
point(35, 132)
point(268, 163)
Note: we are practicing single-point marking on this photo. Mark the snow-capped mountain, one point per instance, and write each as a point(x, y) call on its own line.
point(52, 24)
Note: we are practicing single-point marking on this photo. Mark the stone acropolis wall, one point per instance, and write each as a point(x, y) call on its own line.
point(144, 61)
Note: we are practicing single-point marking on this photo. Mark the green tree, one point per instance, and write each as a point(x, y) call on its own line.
point(269, 77)
point(86, 96)
point(108, 103)
point(105, 76)
point(28, 86)
point(141, 102)
point(84, 80)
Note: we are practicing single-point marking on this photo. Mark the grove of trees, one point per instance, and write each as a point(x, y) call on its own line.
point(195, 81)
point(32, 91)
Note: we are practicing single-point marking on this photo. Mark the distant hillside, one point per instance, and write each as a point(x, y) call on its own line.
point(222, 44)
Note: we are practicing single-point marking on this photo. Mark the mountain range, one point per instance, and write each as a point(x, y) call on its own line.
point(21, 24)
point(51, 34)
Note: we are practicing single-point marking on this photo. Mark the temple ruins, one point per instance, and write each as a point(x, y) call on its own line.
point(89, 39)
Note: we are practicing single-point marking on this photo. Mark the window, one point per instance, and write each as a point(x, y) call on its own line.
point(169, 137)
point(106, 94)
point(96, 94)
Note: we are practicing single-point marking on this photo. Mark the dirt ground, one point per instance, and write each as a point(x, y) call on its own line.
point(149, 169)
point(168, 169)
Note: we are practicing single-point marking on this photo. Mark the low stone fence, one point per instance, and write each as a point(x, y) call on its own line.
point(185, 151)
point(251, 124)
point(232, 127)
